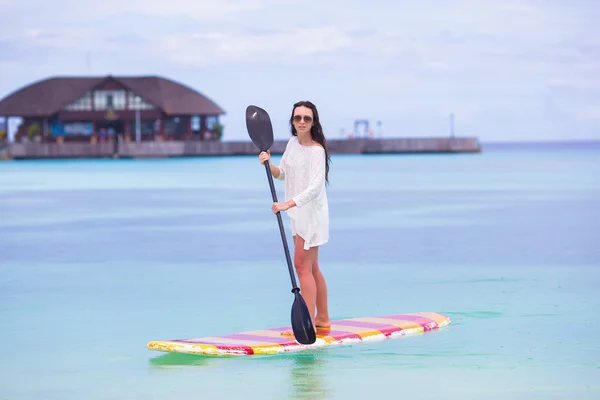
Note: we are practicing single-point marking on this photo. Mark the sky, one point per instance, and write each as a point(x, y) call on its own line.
point(508, 70)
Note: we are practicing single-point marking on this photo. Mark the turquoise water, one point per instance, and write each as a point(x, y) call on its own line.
point(100, 257)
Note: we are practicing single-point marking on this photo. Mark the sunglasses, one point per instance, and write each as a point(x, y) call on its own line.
point(298, 118)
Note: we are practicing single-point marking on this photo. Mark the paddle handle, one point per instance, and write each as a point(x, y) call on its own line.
point(281, 229)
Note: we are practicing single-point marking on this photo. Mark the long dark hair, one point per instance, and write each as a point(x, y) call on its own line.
point(316, 131)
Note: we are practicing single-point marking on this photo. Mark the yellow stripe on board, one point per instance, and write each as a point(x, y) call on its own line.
point(326, 338)
point(440, 319)
point(228, 341)
point(277, 334)
point(174, 347)
point(268, 333)
point(266, 349)
point(394, 322)
point(202, 349)
point(359, 330)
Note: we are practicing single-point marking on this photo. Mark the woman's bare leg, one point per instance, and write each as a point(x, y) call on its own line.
point(304, 261)
point(322, 317)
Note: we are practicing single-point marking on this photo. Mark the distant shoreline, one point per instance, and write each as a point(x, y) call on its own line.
point(542, 144)
point(549, 141)
point(415, 146)
point(195, 148)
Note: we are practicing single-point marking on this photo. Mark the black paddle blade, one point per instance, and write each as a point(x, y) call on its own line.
point(304, 331)
point(259, 127)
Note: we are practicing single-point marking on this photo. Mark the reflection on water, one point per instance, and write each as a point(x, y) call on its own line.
point(307, 373)
point(307, 369)
point(172, 359)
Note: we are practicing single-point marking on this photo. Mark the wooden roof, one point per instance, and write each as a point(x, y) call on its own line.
point(49, 96)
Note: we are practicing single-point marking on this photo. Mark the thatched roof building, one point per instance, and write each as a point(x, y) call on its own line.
point(77, 108)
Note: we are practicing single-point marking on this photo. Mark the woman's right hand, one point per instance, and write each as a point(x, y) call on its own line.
point(264, 156)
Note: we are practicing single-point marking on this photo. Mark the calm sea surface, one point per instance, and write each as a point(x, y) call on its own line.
point(99, 257)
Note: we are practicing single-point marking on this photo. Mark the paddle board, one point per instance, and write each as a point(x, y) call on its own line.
point(271, 340)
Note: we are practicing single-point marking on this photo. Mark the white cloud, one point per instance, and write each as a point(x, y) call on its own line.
point(201, 10)
point(197, 9)
point(479, 59)
point(214, 48)
point(588, 112)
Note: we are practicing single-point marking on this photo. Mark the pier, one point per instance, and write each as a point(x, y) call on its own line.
point(196, 148)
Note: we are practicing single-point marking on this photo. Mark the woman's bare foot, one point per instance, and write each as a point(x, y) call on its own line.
point(322, 322)
point(319, 330)
point(290, 332)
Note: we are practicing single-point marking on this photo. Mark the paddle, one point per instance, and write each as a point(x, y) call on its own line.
point(260, 130)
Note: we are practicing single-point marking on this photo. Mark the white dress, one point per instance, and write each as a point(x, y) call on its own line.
point(302, 168)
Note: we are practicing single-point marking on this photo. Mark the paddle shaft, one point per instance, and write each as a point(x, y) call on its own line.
point(281, 230)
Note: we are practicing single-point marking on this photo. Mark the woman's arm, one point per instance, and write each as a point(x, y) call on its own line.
point(276, 171)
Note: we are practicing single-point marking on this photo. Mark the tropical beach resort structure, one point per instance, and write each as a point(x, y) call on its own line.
point(97, 109)
point(151, 116)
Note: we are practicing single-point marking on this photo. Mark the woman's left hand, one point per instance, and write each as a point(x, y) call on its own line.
point(277, 207)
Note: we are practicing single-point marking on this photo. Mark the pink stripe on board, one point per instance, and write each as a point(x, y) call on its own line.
point(334, 334)
point(426, 323)
point(339, 335)
point(280, 329)
point(222, 346)
point(246, 349)
point(256, 338)
point(362, 324)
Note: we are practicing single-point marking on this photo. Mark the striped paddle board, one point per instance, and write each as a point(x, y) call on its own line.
point(271, 340)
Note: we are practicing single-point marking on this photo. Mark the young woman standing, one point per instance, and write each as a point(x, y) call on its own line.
point(304, 168)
